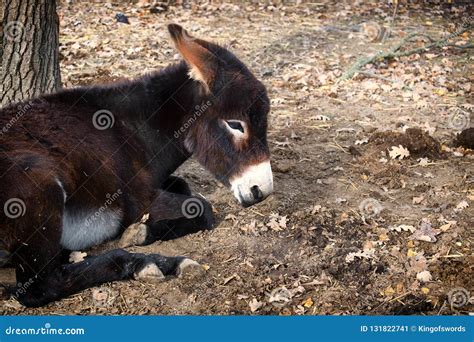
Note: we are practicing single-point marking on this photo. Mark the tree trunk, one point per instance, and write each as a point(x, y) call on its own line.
point(1, 32)
point(30, 57)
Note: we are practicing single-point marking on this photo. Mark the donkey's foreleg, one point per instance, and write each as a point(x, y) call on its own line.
point(65, 280)
point(175, 215)
point(176, 185)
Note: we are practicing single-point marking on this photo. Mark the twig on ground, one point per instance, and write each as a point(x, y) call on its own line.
point(371, 74)
point(466, 46)
point(394, 52)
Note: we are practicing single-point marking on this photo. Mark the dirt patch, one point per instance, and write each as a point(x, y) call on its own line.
point(419, 143)
point(466, 138)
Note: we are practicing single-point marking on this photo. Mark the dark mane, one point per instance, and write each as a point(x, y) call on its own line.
point(136, 97)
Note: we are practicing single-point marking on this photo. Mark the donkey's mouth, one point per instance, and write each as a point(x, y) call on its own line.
point(253, 185)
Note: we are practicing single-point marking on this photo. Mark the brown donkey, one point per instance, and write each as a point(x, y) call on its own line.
point(79, 166)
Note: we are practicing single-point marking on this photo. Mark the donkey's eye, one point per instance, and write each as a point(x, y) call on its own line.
point(236, 125)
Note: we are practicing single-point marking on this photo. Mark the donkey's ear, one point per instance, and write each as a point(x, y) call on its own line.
point(200, 60)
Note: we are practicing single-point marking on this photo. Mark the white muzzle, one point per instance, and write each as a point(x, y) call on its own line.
point(254, 184)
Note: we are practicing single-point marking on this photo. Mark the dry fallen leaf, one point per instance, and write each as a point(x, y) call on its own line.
point(230, 217)
point(255, 305)
point(361, 141)
point(280, 296)
point(389, 291)
point(425, 233)
point(403, 227)
point(230, 278)
point(400, 288)
point(277, 222)
point(417, 199)
point(77, 256)
point(368, 254)
point(282, 143)
point(322, 118)
point(423, 162)
point(399, 152)
point(424, 276)
point(461, 206)
point(249, 228)
point(308, 303)
point(447, 225)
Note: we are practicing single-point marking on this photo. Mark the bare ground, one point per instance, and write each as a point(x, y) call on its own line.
point(349, 229)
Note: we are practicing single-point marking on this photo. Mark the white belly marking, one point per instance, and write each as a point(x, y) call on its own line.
point(84, 229)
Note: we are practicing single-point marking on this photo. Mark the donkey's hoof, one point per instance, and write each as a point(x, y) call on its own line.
point(149, 272)
point(189, 268)
point(134, 235)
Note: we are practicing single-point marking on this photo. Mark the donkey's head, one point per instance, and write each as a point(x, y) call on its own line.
point(228, 134)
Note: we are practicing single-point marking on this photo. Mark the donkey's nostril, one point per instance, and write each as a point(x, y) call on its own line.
point(256, 192)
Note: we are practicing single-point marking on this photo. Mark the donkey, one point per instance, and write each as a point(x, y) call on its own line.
point(79, 166)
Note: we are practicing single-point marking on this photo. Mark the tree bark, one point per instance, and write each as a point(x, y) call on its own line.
point(30, 56)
